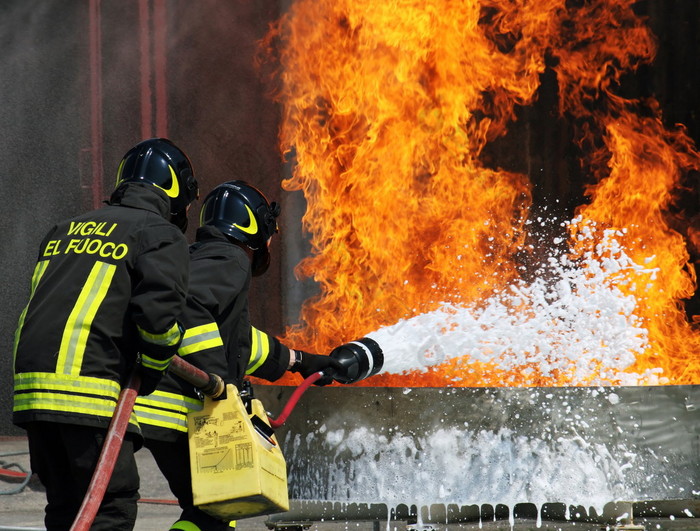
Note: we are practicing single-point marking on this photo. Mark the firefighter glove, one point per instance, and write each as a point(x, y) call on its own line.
point(150, 378)
point(307, 364)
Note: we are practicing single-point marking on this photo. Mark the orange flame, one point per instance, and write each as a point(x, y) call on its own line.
point(387, 107)
point(643, 168)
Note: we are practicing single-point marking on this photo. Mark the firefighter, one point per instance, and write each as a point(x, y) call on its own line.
point(237, 223)
point(108, 284)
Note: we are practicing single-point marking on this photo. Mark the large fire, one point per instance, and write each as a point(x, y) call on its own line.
point(387, 108)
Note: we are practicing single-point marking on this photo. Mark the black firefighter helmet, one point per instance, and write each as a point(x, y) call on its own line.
point(159, 162)
point(243, 213)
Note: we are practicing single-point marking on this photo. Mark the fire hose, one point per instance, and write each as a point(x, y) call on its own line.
point(292, 402)
point(359, 359)
point(20, 475)
point(210, 384)
point(108, 456)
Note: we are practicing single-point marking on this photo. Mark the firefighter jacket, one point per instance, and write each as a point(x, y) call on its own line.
point(107, 284)
point(218, 338)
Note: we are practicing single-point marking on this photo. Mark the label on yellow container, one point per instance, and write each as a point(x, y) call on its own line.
point(237, 470)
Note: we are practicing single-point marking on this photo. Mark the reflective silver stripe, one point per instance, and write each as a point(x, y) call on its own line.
point(259, 349)
point(162, 419)
point(166, 410)
point(49, 381)
point(65, 393)
point(200, 338)
point(77, 330)
point(62, 402)
point(167, 338)
point(170, 401)
point(370, 358)
point(39, 270)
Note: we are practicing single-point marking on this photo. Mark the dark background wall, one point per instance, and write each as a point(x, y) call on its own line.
point(82, 81)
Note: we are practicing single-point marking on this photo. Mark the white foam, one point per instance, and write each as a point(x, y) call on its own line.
point(574, 319)
point(485, 467)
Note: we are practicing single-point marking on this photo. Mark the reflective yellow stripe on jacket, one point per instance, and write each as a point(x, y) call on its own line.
point(166, 410)
point(66, 393)
point(169, 410)
point(259, 349)
point(66, 390)
point(75, 335)
point(36, 277)
point(200, 338)
point(168, 338)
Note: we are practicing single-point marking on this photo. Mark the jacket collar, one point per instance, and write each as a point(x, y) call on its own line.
point(208, 233)
point(143, 196)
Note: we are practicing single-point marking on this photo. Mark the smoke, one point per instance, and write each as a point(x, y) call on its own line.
point(40, 144)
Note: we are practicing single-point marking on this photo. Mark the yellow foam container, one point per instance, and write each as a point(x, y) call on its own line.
point(237, 472)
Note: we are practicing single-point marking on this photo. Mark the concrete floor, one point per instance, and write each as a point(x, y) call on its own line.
point(24, 510)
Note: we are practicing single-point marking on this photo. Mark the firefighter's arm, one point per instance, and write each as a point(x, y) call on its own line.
point(270, 359)
point(158, 299)
point(157, 350)
point(156, 353)
point(202, 345)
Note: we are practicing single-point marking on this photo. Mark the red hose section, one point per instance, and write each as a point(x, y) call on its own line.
point(199, 378)
point(108, 455)
point(292, 402)
point(189, 372)
point(158, 501)
point(8, 473)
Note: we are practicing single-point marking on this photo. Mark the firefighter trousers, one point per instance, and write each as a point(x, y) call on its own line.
point(173, 461)
point(64, 457)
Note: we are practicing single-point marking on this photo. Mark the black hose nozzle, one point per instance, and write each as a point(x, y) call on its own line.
point(360, 359)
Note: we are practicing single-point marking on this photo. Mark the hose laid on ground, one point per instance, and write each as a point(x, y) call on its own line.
point(7, 472)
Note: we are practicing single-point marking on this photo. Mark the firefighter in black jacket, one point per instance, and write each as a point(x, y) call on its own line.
point(107, 285)
point(237, 223)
